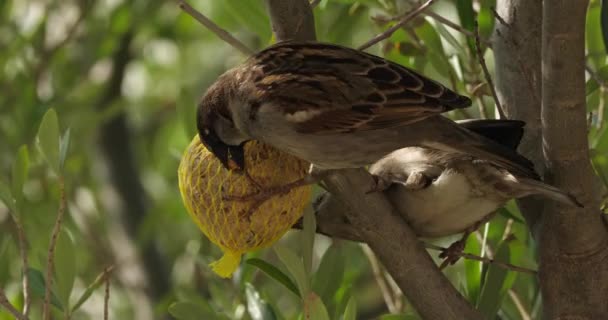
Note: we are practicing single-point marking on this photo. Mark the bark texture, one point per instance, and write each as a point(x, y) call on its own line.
point(372, 218)
point(573, 242)
point(540, 77)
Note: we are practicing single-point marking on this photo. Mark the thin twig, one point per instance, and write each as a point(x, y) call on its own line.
point(106, 299)
point(50, 262)
point(470, 256)
point(223, 34)
point(499, 18)
point(407, 18)
point(9, 307)
point(27, 300)
point(486, 73)
point(380, 280)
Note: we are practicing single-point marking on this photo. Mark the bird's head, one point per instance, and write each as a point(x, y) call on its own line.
point(216, 127)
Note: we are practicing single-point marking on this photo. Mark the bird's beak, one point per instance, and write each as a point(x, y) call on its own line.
point(235, 159)
point(232, 157)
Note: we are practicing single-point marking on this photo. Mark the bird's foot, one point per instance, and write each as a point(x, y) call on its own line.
point(263, 194)
point(379, 184)
point(452, 253)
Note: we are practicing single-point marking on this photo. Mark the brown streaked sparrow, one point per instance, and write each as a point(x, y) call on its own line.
point(442, 193)
point(336, 107)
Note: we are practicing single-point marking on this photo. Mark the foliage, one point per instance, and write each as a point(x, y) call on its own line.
point(76, 72)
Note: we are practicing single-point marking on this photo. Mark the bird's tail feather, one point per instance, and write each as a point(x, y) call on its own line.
point(466, 141)
point(551, 192)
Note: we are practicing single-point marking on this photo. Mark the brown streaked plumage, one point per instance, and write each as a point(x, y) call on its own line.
point(337, 108)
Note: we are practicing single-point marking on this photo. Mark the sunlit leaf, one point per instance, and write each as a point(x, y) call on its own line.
point(48, 139)
point(351, 310)
point(256, 306)
point(63, 148)
point(274, 273)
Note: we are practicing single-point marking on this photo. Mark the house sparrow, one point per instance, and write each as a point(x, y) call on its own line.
point(443, 193)
point(336, 107)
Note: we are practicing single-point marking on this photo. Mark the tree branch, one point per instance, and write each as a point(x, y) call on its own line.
point(391, 239)
point(573, 242)
point(407, 18)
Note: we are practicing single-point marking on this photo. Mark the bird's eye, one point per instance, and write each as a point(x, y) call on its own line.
point(206, 131)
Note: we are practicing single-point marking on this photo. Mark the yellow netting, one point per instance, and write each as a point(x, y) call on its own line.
point(203, 182)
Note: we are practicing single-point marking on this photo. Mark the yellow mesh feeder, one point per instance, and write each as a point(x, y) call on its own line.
point(231, 225)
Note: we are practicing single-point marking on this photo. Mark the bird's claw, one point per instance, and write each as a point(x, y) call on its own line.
point(452, 253)
point(379, 184)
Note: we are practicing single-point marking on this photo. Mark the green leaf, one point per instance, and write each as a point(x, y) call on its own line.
point(6, 196)
point(509, 215)
point(604, 23)
point(252, 15)
point(308, 238)
point(256, 306)
point(37, 287)
point(186, 310)
point(314, 309)
point(497, 282)
point(19, 174)
point(275, 274)
point(64, 145)
point(400, 317)
point(473, 270)
point(89, 291)
point(351, 310)
point(447, 35)
point(295, 266)
point(65, 267)
point(48, 139)
point(467, 18)
point(329, 276)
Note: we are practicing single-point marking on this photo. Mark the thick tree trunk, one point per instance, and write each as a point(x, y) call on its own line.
point(573, 243)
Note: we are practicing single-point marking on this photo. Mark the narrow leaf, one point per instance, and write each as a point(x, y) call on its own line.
point(308, 238)
point(89, 291)
point(63, 148)
point(65, 267)
point(329, 276)
point(314, 309)
point(191, 311)
point(604, 22)
point(19, 173)
point(48, 139)
point(496, 285)
point(295, 266)
point(37, 287)
point(256, 306)
point(6, 196)
point(351, 310)
point(275, 274)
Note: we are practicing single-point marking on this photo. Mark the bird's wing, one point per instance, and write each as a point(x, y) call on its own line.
point(324, 88)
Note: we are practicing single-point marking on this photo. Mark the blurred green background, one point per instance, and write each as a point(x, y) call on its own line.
point(124, 77)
